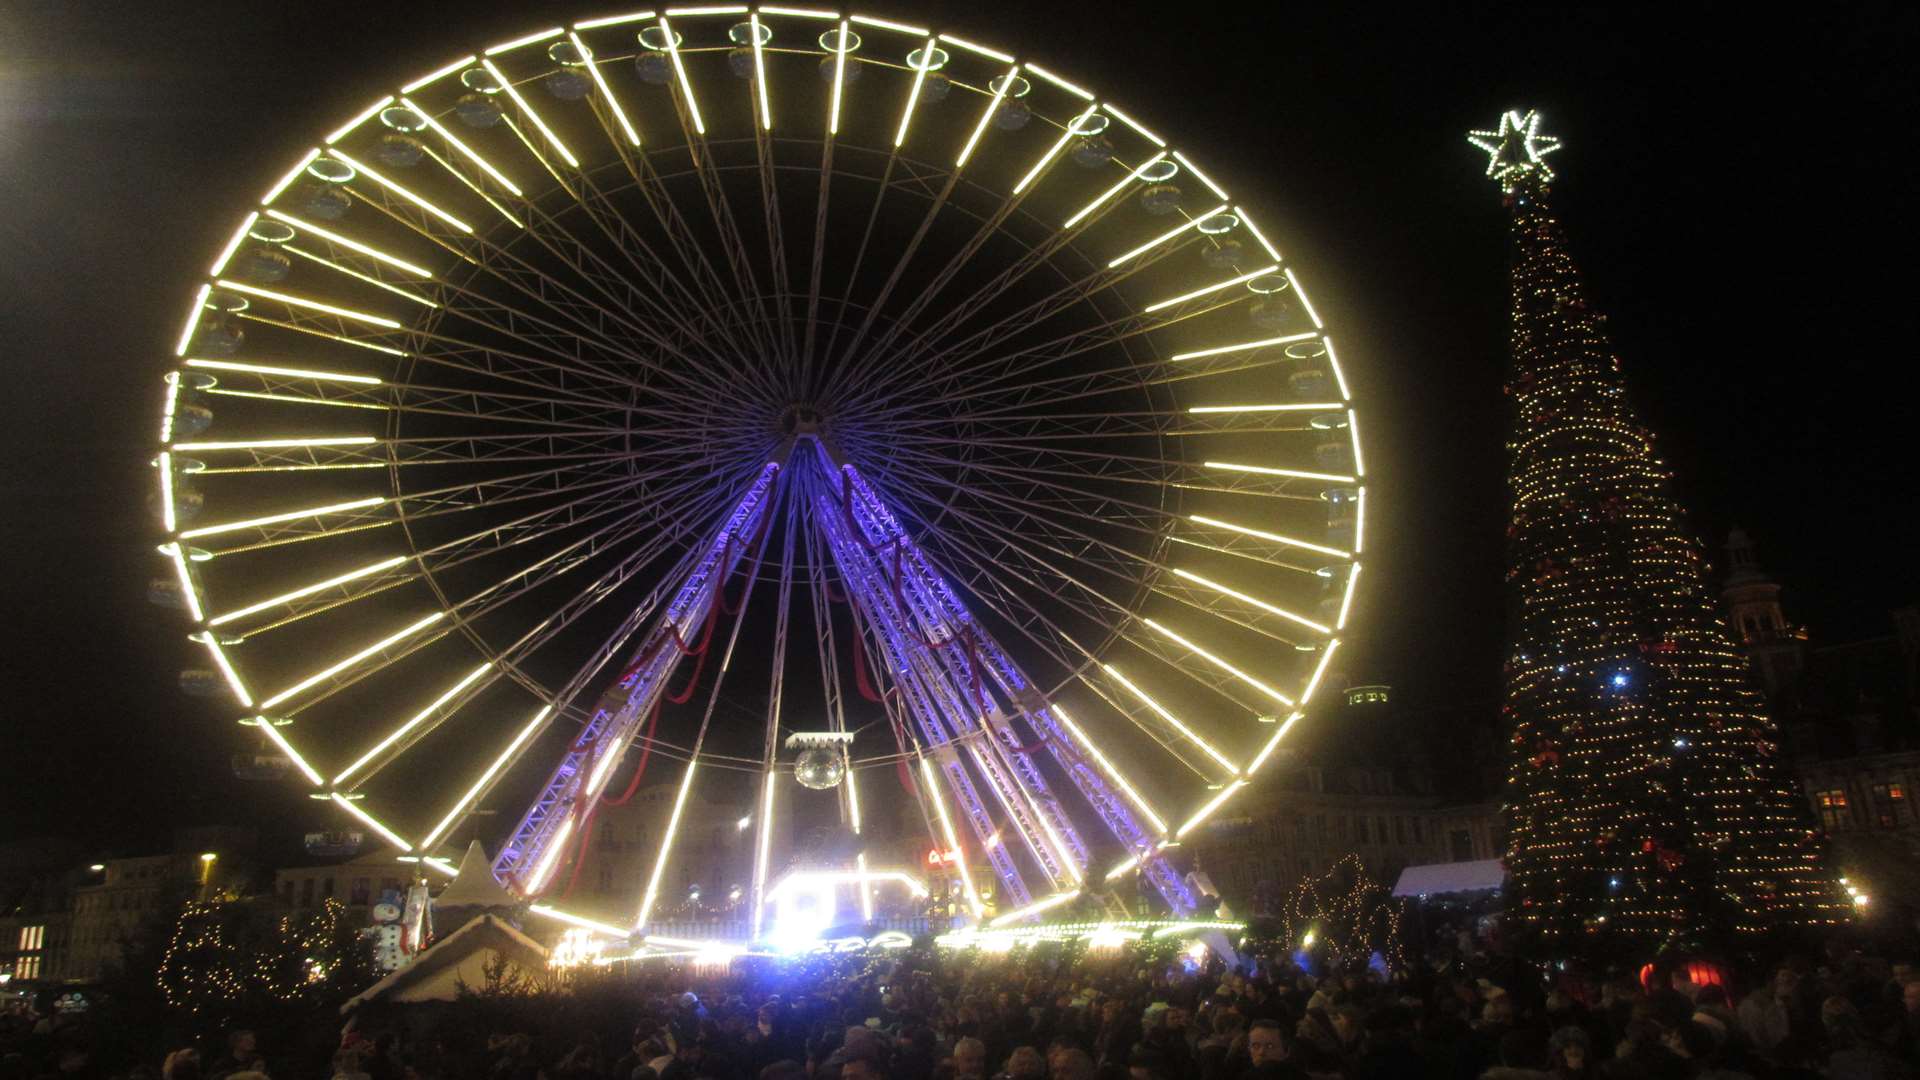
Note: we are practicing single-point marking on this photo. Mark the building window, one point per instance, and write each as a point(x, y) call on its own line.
point(1320, 829)
point(1360, 830)
point(27, 967)
point(1889, 805)
point(1300, 830)
point(326, 887)
point(32, 938)
point(306, 892)
point(362, 891)
point(1462, 844)
point(1416, 832)
point(1833, 808)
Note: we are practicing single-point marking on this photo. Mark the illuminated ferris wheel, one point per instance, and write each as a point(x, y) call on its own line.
point(792, 405)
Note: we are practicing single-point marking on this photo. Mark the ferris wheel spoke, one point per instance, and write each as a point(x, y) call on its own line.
point(289, 385)
point(1140, 571)
point(1148, 521)
point(1222, 478)
point(349, 515)
point(588, 505)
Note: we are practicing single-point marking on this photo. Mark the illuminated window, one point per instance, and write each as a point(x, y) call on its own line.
point(1833, 808)
point(27, 967)
point(1889, 805)
point(32, 938)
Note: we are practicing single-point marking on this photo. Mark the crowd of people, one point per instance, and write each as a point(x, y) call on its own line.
point(1048, 1016)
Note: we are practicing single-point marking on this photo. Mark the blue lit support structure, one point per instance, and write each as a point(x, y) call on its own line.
point(579, 779)
point(947, 610)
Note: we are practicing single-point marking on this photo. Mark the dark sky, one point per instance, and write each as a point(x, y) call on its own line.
point(1739, 192)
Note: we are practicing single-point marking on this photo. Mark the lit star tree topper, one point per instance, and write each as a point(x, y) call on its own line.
point(1517, 150)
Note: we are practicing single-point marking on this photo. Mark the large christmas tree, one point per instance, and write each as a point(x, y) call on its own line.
point(1646, 803)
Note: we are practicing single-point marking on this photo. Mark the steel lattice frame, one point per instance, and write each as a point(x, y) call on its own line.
point(520, 366)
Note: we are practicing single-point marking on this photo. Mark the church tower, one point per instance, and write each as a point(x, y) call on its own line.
point(1752, 599)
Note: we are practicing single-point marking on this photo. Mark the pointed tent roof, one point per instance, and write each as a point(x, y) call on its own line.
point(474, 884)
point(436, 974)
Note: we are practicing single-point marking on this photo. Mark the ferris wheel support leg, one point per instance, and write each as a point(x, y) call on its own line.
point(868, 591)
point(579, 779)
point(1112, 809)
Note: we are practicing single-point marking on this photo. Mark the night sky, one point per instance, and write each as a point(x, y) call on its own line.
point(1739, 193)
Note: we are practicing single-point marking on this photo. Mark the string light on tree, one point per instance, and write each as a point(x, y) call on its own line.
point(1645, 802)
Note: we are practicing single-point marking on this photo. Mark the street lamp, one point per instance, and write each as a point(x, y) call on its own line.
point(206, 866)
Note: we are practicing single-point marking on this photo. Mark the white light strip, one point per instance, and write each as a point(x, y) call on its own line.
point(1197, 293)
point(1319, 670)
point(1266, 471)
point(1222, 664)
point(1346, 602)
point(886, 24)
point(174, 551)
point(760, 75)
point(1034, 908)
point(323, 675)
point(268, 444)
point(992, 54)
point(1242, 347)
point(347, 128)
point(555, 845)
point(1059, 144)
point(315, 305)
point(1273, 537)
point(527, 110)
point(441, 865)
point(1130, 862)
point(711, 9)
point(493, 770)
point(466, 151)
point(193, 320)
point(1108, 767)
point(168, 404)
point(404, 193)
point(666, 845)
point(1203, 178)
point(859, 860)
point(1114, 111)
point(1311, 406)
point(1254, 600)
point(1333, 364)
point(168, 519)
point(413, 722)
point(351, 244)
point(1246, 219)
point(606, 92)
point(528, 40)
point(804, 13)
point(986, 117)
point(612, 20)
point(839, 80)
point(1063, 84)
point(1207, 811)
point(358, 276)
point(1359, 520)
point(387, 834)
point(273, 733)
point(292, 174)
point(226, 667)
point(913, 94)
point(295, 373)
point(1166, 236)
point(953, 838)
point(1304, 302)
point(1273, 744)
point(275, 519)
point(551, 912)
point(1353, 435)
point(1112, 191)
point(762, 850)
point(686, 84)
point(309, 590)
point(233, 245)
point(1161, 711)
point(436, 75)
